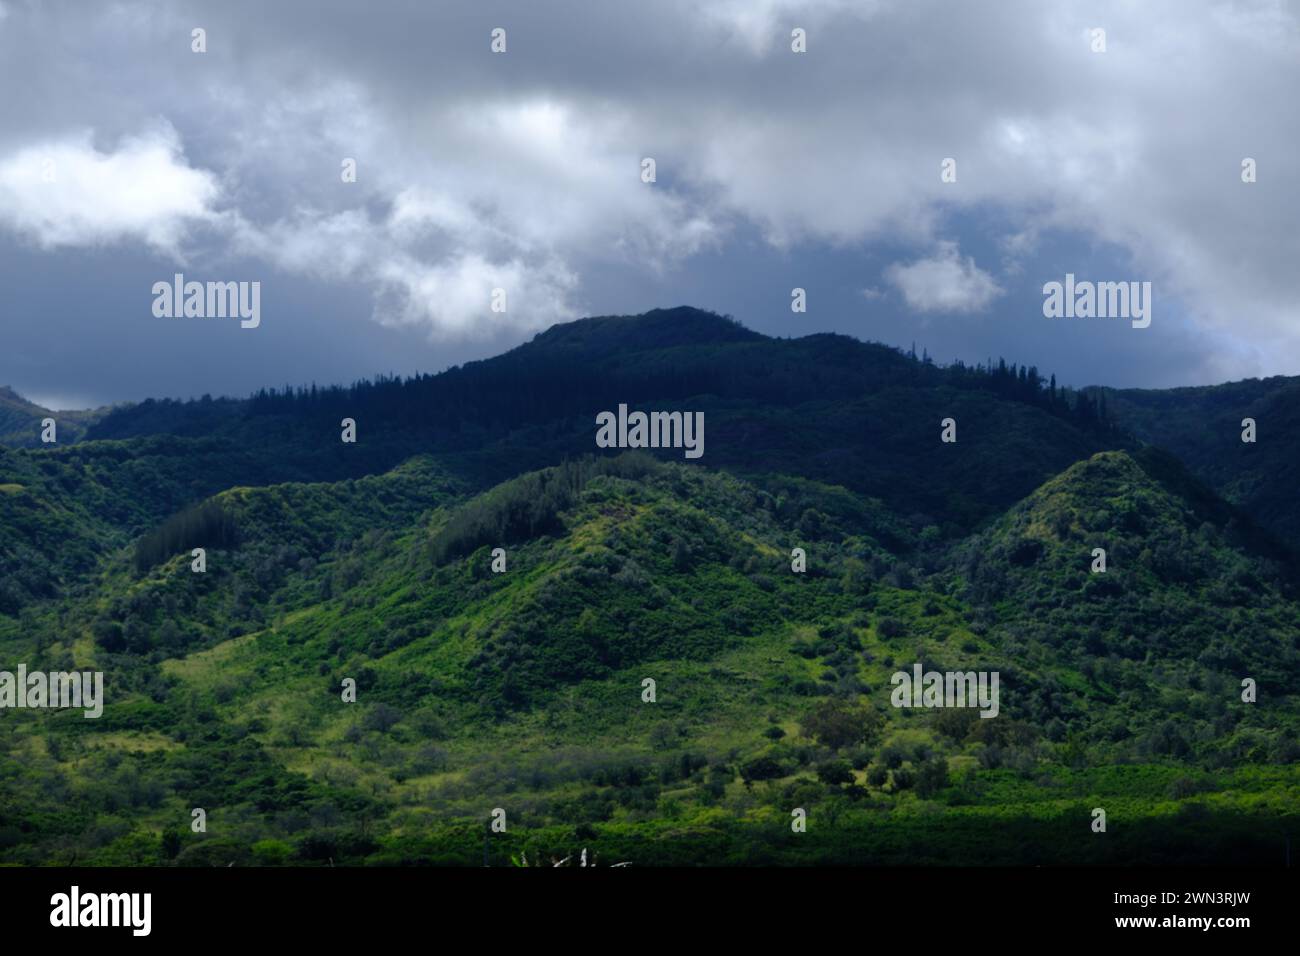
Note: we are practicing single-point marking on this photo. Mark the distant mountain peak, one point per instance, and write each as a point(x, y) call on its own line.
point(656, 329)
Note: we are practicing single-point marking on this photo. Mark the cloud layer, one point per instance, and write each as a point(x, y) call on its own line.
point(521, 170)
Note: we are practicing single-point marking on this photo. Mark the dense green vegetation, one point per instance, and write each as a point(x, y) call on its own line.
point(526, 689)
point(827, 408)
point(529, 506)
point(1203, 427)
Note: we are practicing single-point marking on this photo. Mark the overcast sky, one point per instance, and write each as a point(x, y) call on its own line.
point(126, 157)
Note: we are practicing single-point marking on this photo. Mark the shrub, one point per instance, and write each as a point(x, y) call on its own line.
point(835, 772)
point(932, 776)
point(839, 724)
point(890, 628)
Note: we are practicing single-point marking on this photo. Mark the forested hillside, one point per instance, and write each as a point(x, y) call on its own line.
point(656, 659)
point(1204, 426)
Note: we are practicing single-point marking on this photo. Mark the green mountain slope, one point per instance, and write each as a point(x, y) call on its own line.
point(1203, 427)
point(825, 408)
point(525, 689)
point(1184, 611)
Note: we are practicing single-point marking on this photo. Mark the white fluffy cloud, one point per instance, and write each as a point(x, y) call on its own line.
point(518, 193)
point(68, 193)
point(944, 282)
point(450, 295)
